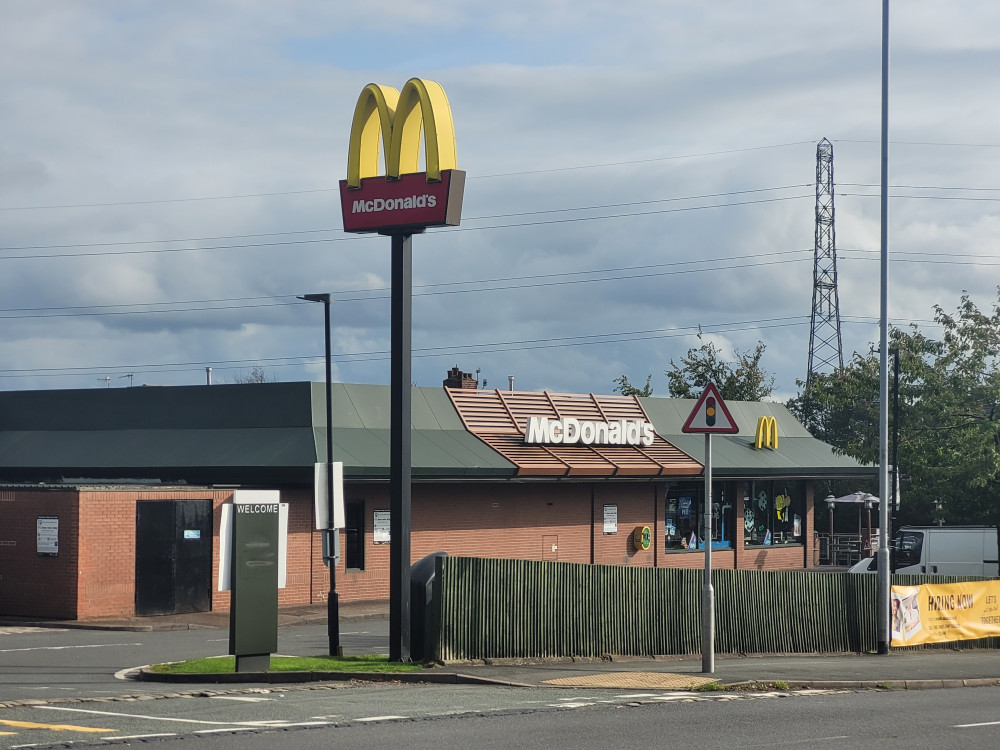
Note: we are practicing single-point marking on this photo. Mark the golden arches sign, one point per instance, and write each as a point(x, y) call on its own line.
point(397, 119)
point(403, 199)
point(767, 433)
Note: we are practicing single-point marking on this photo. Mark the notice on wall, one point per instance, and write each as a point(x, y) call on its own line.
point(381, 527)
point(47, 535)
point(610, 519)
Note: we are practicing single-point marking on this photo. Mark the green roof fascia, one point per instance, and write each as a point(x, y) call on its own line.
point(240, 406)
point(735, 456)
point(53, 449)
point(440, 444)
point(798, 454)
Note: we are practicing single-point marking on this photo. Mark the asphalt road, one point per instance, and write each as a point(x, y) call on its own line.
point(53, 663)
point(436, 716)
point(85, 703)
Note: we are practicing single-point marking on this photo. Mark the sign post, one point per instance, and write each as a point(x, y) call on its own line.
point(402, 202)
point(252, 549)
point(709, 415)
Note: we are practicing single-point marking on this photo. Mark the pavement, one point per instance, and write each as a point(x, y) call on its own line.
point(902, 669)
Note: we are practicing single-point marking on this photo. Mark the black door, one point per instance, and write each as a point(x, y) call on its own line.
point(173, 556)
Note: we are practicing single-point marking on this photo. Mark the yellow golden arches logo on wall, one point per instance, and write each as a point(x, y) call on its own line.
point(767, 433)
point(397, 119)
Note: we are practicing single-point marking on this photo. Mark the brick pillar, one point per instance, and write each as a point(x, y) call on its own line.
point(809, 526)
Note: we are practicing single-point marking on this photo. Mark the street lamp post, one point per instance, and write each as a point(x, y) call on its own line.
point(332, 600)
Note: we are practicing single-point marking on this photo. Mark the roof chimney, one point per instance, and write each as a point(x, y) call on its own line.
point(458, 379)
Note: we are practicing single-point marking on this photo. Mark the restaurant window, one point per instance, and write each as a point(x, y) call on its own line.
point(354, 534)
point(773, 512)
point(684, 517)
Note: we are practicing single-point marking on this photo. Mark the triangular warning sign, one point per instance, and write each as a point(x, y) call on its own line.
point(710, 414)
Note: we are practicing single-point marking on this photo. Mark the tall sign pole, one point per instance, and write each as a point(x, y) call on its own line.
point(882, 558)
point(707, 590)
point(399, 451)
point(709, 415)
point(402, 202)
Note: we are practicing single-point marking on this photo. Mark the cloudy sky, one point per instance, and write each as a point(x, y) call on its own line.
point(636, 170)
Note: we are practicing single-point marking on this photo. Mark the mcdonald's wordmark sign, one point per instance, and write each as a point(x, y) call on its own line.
point(403, 199)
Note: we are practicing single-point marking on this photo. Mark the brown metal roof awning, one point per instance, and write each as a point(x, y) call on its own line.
point(498, 418)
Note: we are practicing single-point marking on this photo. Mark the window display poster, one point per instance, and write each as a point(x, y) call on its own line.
point(381, 527)
point(685, 507)
point(610, 519)
point(47, 535)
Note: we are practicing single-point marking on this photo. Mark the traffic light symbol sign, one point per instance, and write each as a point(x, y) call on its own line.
point(710, 414)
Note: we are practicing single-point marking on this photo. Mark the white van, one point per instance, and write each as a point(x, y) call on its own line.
point(941, 551)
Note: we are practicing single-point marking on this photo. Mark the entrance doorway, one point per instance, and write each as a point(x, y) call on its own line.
point(173, 557)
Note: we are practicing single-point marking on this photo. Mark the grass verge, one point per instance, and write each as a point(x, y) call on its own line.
point(227, 665)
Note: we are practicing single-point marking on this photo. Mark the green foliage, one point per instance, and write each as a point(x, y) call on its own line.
point(949, 422)
point(624, 387)
point(708, 687)
point(741, 380)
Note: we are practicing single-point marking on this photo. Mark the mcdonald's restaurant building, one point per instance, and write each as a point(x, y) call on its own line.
point(111, 498)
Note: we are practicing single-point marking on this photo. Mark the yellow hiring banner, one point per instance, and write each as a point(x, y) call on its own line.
point(942, 612)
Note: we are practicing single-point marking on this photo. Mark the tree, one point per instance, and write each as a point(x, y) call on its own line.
point(257, 374)
point(624, 387)
point(741, 380)
point(949, 424)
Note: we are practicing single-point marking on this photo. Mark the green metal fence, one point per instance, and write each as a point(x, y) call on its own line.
point(489, 608)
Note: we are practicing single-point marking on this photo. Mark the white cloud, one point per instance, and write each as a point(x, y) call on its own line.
point(636, 170)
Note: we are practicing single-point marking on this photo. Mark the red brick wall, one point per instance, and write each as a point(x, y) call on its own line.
point(809, 528)
point(636, 507)
point(522, 521)
point(772, 558)
point(301, 543)
point(32, 585)
point(107, 546)
point(94, 574)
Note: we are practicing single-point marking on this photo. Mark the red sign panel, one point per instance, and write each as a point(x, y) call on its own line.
point(411, 202)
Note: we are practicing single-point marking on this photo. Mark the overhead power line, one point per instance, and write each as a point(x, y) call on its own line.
point(451, 350)
point(483, 285)
point(420, 290)
point(244, 246)
point(305, 191)
point(440, 351)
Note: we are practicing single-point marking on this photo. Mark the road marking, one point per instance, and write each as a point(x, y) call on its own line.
point(53, 727)
point(138, 736)
point(157, 718)
point(247, 698)
point(980, 724)
point(381, 718)
point(66, 648)
point(18, 630)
